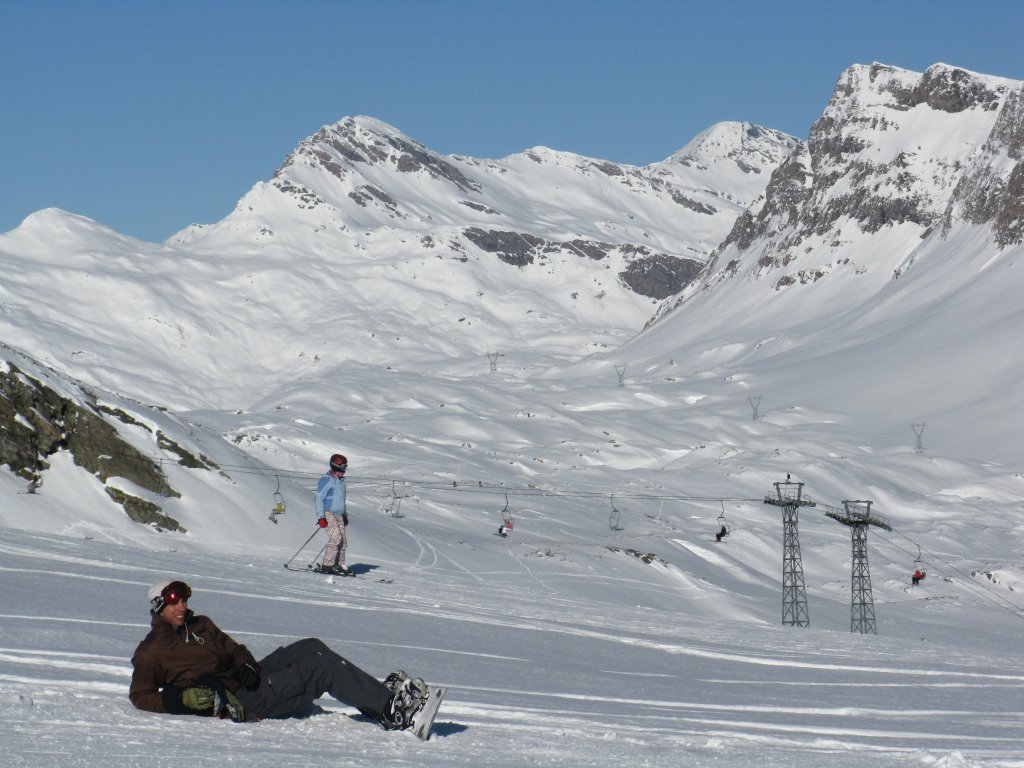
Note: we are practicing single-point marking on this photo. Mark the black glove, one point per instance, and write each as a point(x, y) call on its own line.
point(249, 676)
point(227, 705)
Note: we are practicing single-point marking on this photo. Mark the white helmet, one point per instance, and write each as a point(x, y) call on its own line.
point(167, 590)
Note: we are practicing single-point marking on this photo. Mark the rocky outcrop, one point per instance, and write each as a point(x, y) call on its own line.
point(892, 149)
point(647, 272)
point(991, 191)
point(349, 140)
point(659, 275)
point(37, 422)
point(782, 204)
point(896, 158)
point(953, 90)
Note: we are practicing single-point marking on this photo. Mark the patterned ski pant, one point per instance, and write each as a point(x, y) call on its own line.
point(337, 541)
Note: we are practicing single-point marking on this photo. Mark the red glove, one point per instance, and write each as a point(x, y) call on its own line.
point(322, 522)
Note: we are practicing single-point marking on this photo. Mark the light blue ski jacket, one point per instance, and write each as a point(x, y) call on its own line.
point(330, 495)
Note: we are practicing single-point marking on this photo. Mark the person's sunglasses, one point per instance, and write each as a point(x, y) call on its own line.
point(175, 593)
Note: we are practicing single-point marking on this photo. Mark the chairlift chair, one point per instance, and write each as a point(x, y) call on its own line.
point(918, 568)
point(395, 505)
point(506, 520)
point(279, 503)
point(723, 526)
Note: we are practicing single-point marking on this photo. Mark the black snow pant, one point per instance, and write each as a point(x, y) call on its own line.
point(294, 676)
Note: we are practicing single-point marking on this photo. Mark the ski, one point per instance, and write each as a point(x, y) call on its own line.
point(423, 720)
point(316, 569)
point(300, 568)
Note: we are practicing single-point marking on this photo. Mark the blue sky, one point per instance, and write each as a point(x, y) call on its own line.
point(149, 116)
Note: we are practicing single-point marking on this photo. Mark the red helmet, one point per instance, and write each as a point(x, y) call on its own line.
point(338, 462)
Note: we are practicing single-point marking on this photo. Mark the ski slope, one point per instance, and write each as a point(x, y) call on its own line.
point(538, 673)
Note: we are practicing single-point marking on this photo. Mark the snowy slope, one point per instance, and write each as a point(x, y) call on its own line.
point(533, 679)
point(312, 272)
point(885, 250)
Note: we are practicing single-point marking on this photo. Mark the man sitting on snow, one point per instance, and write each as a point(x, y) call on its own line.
point(187, 666)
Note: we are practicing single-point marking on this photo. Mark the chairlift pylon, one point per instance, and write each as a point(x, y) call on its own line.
point(615, 516)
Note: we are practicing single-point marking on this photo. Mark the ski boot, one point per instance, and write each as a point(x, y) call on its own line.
point(395, 679)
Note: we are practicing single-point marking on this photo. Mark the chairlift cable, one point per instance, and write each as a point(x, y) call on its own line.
point(967, 581)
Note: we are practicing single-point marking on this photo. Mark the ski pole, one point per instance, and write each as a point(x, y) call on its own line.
point(317, 555)
point(303, 546)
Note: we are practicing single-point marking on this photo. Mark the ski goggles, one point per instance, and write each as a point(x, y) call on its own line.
point(174, 593)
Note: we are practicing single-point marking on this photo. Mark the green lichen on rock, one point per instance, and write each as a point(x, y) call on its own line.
point(145, 512)
point(37, 422)
point(185, 458)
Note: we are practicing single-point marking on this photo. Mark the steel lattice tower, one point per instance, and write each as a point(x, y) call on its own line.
point(789, 496)
point(858, 516)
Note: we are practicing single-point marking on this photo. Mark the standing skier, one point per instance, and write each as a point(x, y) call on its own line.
point(331, 514)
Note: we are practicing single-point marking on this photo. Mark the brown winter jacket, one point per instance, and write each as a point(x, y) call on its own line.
point(169, 660)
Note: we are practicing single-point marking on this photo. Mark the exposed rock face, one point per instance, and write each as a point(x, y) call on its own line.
point(991, 191)
point(788, 191)
point(659, 275)
point(953, 90)
point(656, 275)
point(880, 158)
point(896, 158)
point(355, 145)
point(516, 248)
point(37, 422)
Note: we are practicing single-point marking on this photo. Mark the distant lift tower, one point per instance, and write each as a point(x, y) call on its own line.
point(858, 515)
point(789, 496)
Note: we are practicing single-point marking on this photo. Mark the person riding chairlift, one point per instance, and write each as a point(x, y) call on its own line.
point(917, 577)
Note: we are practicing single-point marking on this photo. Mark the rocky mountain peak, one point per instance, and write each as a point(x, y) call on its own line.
point(892, 151)
point(951, 89)
point(753, 148)
point(646, 232)
point(355, 141)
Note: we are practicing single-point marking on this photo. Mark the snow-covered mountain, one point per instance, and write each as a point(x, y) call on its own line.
point(887, 250)
point(470, 333)
point(354, 182)
point(410, 257)
point(894, 155)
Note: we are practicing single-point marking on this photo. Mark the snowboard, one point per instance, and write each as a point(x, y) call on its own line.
point(423, 720)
